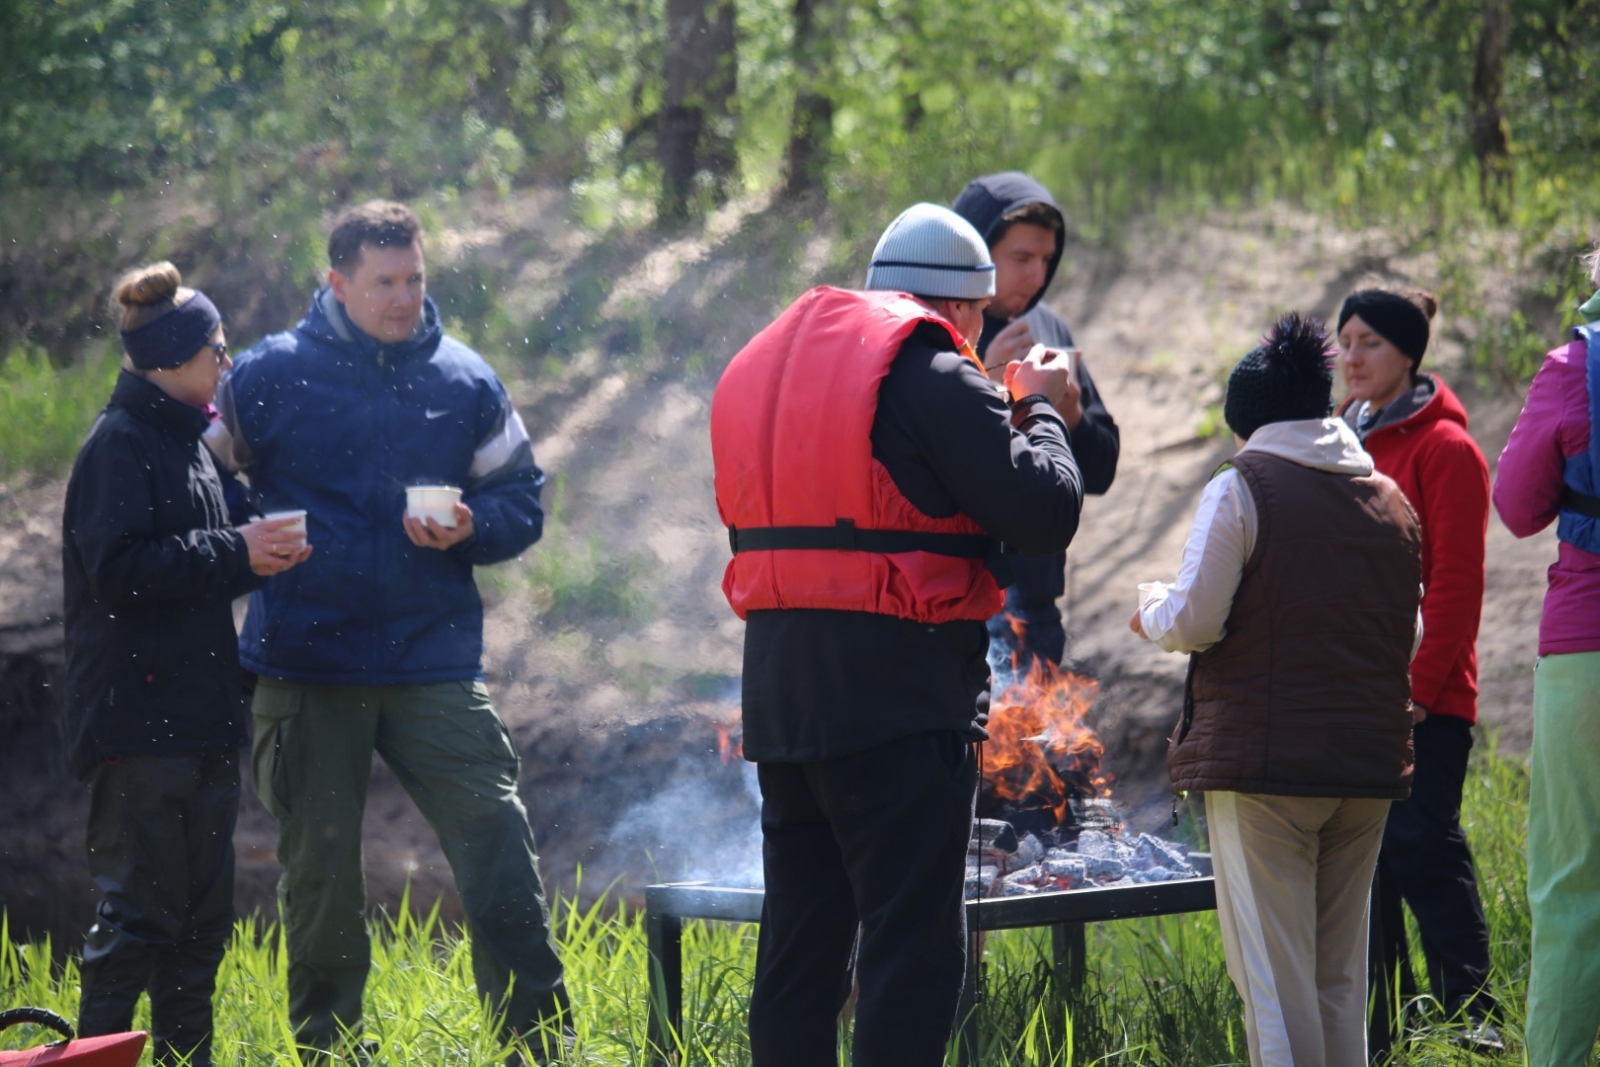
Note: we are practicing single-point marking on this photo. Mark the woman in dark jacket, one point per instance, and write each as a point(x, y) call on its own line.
point(151, 567)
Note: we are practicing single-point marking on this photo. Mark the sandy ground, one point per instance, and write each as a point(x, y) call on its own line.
point(618, 717)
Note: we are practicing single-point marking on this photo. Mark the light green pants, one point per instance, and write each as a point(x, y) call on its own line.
point(313, 757)
point(1564, 861)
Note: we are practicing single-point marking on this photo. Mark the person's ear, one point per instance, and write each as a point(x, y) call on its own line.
point(337, 283)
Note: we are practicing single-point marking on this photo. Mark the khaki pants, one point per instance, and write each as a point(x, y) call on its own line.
point(313, 757)
point(1294, 876)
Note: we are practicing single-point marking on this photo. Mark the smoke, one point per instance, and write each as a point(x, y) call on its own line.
point(703, 824)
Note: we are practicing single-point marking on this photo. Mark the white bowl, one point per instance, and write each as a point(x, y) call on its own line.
point(436, 502)
point(298, 527)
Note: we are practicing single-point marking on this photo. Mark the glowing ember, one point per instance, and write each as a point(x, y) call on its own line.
point(1040, 753)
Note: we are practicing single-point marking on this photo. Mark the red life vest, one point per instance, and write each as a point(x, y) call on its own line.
point(791, 438)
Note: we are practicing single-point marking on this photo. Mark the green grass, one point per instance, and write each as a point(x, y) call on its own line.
point(45, 411)
point(1157, 993)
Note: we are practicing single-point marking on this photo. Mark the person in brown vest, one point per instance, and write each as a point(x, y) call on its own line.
point(1297, 600)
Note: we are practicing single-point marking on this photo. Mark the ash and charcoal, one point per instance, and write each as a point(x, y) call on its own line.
point(1004, 863)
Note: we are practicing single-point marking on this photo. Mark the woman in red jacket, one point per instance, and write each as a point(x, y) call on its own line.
point(1416, 431)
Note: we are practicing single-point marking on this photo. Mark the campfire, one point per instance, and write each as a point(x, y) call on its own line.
point(1046, 820)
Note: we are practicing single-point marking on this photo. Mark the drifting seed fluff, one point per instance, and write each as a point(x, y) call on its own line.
point(1289, 376)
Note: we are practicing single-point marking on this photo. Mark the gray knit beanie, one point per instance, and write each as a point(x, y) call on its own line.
point(931, 251)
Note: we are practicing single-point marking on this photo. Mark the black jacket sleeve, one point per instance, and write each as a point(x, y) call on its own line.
point(946, 437)
point(1097, 442)
point(113, 527)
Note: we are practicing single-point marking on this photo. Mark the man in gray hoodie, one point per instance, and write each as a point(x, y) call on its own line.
point(1026, 231)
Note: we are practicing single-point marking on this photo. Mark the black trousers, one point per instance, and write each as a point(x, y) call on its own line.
point(1425, 863)
point(161, 855)
point(874, 841)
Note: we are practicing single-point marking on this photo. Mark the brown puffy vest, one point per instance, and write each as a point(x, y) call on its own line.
point(1308, 693)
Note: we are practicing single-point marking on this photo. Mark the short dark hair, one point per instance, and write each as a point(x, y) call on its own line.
point(380, 223)
point(1033, 213)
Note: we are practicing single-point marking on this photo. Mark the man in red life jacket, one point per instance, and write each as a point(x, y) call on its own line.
point(868, 472)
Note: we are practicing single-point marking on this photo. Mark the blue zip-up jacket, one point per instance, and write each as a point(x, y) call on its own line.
point(325, 418)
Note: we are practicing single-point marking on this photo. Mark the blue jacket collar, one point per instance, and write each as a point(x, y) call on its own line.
point(326, 320)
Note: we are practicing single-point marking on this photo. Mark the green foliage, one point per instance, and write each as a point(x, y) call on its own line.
point(266, 116)
point(571, 580)
point(45, 411)
point(577, 582)
point(1157, 992)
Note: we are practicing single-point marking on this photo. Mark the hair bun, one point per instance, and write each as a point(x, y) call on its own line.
point(153, 284)
point(1423, 299)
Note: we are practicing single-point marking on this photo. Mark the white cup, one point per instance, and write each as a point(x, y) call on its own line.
point(1149, 589)
point(1064, 357)
point(298, 527)
point(436, 502)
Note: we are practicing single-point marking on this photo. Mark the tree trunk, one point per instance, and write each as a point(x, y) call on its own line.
point(552, 85)
point(1490, 135)
point(694, 133)
point(811, 128)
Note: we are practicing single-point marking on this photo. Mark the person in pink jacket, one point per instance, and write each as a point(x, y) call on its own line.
point(1548, 473)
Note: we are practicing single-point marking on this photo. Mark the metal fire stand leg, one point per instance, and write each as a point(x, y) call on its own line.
point(1069, 951)
point(664, 934)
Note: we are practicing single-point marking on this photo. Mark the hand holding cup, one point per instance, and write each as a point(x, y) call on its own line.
point(435, 517)
point(276, 542)
point(1045, 371)
point(1010, 345)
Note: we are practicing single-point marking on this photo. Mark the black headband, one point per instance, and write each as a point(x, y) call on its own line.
point(174, 338)
point(1396, 319)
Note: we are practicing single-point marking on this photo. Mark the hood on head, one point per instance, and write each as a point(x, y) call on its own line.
point(987, 200)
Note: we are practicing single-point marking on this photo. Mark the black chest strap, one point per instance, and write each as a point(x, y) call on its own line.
point(845, 536)
point(1582, 503)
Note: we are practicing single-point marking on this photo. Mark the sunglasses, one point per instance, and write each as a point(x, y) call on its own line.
point(218, 348)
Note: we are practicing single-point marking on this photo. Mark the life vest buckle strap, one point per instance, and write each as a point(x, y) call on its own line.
point(845, 536)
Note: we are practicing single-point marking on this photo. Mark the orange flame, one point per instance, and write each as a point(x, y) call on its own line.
point(1037, 733)
point(729, 747)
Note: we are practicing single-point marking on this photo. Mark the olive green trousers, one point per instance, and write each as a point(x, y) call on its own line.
point(312, 757)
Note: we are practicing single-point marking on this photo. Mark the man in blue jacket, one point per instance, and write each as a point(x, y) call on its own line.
point(378, 645)
point(1025, 231)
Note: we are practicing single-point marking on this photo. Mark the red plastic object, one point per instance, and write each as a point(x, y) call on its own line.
point(113, 1050)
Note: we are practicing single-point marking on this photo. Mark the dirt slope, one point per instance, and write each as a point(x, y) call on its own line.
point(609, 649)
